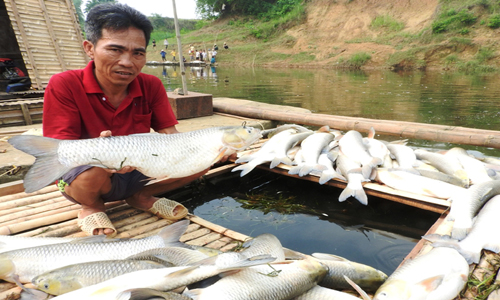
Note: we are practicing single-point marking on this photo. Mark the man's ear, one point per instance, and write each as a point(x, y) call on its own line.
point(88, 47)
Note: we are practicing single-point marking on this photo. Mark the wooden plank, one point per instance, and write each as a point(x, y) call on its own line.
point(13, 187)
point(441, 133)
point(26, 114)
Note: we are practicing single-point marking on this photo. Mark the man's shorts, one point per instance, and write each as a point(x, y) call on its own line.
point(122, 185)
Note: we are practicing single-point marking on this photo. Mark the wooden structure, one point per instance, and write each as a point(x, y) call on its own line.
point(44, 34)
point(191, 106)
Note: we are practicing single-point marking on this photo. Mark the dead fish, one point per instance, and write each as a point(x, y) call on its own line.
point(166, 279)
point(322, 293)
point(443, 163)
point(146, 294)
point(13, 242)
point(403, 154)
point(73, 277)
point(465, 206)
point(280, 152)
point(352, 145)
point(30, 262)
point(264, 244)
point(482, 235)
point(155, 155)
point(351, 170)
point(368, 278)
point(176, 256)
point(475, 169)
point(439, 274)
point(311, 149)
point(403, 180)
point(274, 282)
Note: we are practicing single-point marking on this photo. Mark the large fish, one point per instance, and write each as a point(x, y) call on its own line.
point(446, 164)
point(368, 278)
point(407, 180)
point(12, 242)
point(465, 206)
point(264, 244)
point(166, 279)
point(439, 274)
point(311, 149)
point(403, 154)
point(352, 145)
point(30, 262)
point(351, 170)
point(66, 279)
point(482, 235)
point(176, 256)
point(475, 169)
point(156, 155)
point(274, 282)
point(322, 293)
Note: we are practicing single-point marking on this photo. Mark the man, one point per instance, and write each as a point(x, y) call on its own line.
point(163, 53)
point(111, 96)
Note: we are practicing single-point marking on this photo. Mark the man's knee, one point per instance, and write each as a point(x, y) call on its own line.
point(92, 179)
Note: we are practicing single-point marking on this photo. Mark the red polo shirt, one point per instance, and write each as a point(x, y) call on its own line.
point(75, 107)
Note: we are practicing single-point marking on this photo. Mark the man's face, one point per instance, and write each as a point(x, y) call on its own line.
point(118, 56)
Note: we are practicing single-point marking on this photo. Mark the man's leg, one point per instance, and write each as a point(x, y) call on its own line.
point(86, 189)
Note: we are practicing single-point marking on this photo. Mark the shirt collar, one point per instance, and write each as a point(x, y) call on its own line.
point(92, 87)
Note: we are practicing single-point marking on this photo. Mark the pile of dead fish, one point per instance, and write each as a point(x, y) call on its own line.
point(469, 183)
point(356, 159)
point(161, 267)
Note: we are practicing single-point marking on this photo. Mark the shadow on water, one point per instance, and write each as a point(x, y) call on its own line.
point(307, 217)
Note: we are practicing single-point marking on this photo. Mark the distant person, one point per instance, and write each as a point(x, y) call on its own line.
point(165, 43)
point(183, 58)
point(226, 46)
point(197, 55)
point(163, 53)
point(191, 52)
point(154, 44)
point(216, 47)
point(173, 55)
point(214, 55)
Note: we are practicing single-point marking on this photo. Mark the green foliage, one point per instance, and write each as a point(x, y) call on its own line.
point(388, 23)
point(303, 57)
point(451, 19)
point(262, 9)
point(494, 21)
point(358, 59)
point(79, 13)
point(485, 54)
point(460, 41)
point(167, 24)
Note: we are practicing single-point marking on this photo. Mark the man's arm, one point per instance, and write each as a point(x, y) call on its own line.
point(169, 130)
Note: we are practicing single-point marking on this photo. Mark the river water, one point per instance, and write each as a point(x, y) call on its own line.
point(380, 234)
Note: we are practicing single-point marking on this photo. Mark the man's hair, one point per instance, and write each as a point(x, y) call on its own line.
point(116, 17)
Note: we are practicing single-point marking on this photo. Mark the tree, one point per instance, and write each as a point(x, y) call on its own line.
point(79, 13)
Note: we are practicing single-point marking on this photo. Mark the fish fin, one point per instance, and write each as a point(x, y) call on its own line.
point(330, 257)
point(46, 169)
point(33, 294)
point(356, 287)
point(359, 194)
point(371, 133)
point(332, 155)
point(280, 160)
point(194, 294)
point(295, 170)
point(432, 283)
point(220, 156)
point(325, 177)
point(173, 232)
point(245, 169)
point(143, 294)
point(305, 170)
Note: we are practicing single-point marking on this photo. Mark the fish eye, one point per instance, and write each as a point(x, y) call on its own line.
point(46, 286)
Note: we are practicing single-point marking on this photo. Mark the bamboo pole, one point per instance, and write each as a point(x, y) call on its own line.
point(4, 190)
point(179, 48)
point(440, 133)
point(28, 200)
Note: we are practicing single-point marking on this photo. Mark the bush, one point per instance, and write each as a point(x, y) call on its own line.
point(494, 21)
point(358, 59)
point(388, 23)
point(453, 20)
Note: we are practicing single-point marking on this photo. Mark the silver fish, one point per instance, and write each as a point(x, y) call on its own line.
point(403, 180)
point(73, 277)
point(439, 274)
point(156, 155)
point(368, 278)
point(352, 171)
point(322, 293)
point(443, 163)
point(149, 294)
point(281, 150)
point(30, 262)
point(264, 244)
point(274, 282)
point(464, 207)
point(13, 242)
point(352, 145)
point(311, 149)
point(403, 154)
point(165, 279)
point(176, 256)
point(480, 237)
point(475, 169)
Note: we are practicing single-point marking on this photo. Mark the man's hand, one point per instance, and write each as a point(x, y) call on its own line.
point(124, 169)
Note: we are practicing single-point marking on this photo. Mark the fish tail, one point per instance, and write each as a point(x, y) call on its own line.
point(461, 228)
point(145, 293)
point(172, 233)
point(245, 169)
point(46, 169)
point(359, 194)
point(280, 160)
point(471, 255)
point(294, 170)
point(305, 169)
point(325, 177)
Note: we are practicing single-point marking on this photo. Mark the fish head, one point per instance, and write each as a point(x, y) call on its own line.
point(393, 290)
point(7, 268)
point(55, 285)
point(238, 138)
point(314, 267)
